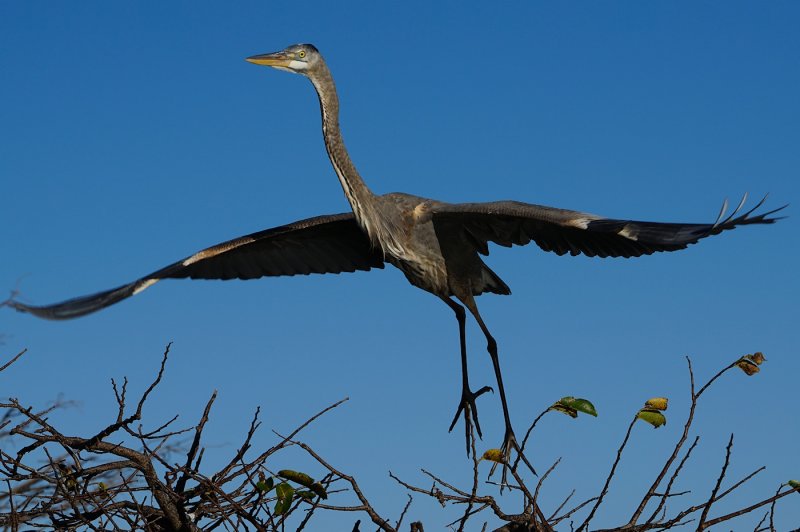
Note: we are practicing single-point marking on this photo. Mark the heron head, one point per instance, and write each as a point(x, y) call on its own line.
point(297, 58)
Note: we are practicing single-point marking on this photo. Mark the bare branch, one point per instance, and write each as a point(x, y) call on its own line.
point(750, 508)
point(713, 497)
point(603, 492)
point(14, 359)
point(672, 479)
point(190, 456)
point(365, 505)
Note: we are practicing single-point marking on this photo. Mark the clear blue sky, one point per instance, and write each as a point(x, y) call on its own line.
point(133, 134)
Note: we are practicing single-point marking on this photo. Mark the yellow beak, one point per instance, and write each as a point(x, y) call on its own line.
point(277, 59)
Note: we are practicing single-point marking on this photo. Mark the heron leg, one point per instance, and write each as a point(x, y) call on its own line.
point(509, 439)
point(467, 404)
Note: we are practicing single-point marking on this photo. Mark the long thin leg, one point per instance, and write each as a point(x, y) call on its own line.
point(509, 440)
point(467, 403)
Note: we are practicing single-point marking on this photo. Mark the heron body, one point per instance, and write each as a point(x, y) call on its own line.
point(437, 245)
point(398, 224)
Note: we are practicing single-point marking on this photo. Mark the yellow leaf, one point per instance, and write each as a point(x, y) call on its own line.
point(652, 416)
point(659, 403)
point(494, 455)
point(757, 357)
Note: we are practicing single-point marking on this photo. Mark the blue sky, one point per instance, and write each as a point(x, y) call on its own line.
point(132, 135)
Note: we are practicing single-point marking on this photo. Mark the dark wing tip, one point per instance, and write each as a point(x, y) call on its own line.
point(773, 211)
point(79, 306)
point(16, 305)
point(47, 312)
point(747, 218)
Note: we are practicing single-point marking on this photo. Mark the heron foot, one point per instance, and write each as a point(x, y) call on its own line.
point(509, 446)
point(470, 409)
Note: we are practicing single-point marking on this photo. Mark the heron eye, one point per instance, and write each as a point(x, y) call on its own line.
point(301, 54)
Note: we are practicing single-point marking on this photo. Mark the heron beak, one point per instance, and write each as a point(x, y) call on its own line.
point(277, 59)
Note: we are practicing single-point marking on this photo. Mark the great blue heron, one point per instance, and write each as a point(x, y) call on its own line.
point(435, 244)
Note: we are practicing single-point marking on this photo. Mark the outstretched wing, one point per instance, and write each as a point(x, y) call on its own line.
point(562, 231)
point(325, 244)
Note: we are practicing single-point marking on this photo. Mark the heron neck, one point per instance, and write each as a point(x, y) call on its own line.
point(358, 194)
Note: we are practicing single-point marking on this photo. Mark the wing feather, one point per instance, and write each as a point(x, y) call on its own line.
point(324, 244)
point(563, 231)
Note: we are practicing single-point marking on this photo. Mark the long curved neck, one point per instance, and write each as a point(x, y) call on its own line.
point(358, 194)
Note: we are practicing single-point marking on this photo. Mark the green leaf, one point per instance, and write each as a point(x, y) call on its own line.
point(285, 493)
point(296, 476)
point(305, 494)
point(319, 489)
point(265, 485)
point(579, 404)
point(282, 506)
point(284, 489)
point(794, 484)
point(652, 416)
point(572, 405)
point(304, 480)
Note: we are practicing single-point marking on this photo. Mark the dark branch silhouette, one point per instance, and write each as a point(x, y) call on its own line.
point(125, 477)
